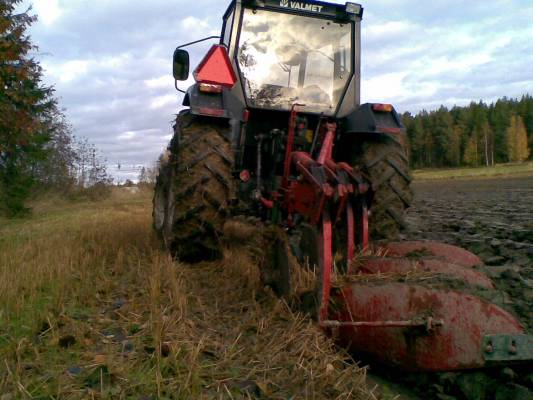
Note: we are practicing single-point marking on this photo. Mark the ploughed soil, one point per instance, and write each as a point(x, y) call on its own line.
point(492, 218)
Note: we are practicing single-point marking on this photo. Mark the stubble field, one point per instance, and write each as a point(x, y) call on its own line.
point(92, 308)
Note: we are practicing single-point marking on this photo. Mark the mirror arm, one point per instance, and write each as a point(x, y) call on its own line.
point(177, 88)
point(189, 44)
point(198, 41)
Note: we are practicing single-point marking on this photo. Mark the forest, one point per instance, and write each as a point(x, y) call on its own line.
point(477, 135)
point(38, 148)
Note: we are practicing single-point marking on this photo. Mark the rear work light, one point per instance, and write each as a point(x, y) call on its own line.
point(382, 107)
point(354, 8)
point(215, 71)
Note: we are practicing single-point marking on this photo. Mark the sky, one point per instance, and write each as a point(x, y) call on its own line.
point(110, 61)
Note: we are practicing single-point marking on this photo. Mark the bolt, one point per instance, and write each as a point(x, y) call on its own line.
point(512, 348)
point(489, 349)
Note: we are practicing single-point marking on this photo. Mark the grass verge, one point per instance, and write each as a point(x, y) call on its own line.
point(91, 308)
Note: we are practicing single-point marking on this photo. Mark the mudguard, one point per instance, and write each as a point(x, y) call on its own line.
point(367, 120)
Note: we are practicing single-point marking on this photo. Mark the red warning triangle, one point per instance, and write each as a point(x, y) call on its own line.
point(216, 68)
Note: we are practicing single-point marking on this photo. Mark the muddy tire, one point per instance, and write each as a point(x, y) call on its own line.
point(194, 189)
point(385, 161)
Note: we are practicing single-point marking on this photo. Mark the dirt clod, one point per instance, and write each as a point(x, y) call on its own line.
point(67, 341)
point(165, 349)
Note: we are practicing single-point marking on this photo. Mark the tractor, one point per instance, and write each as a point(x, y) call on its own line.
point(273, 129)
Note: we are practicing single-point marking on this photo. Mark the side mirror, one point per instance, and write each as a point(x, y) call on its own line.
point(180, 67)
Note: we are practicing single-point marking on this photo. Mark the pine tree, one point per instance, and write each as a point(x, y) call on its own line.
point(517, 141)
point(416, 138)
point(499, 115)
point(25, 108)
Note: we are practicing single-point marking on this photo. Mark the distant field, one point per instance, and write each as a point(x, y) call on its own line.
point(502, 170)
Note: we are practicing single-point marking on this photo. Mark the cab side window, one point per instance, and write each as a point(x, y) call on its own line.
point(227, 29)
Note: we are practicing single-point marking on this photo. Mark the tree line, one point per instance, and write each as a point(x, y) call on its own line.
point(476, 135)
point(37, 145)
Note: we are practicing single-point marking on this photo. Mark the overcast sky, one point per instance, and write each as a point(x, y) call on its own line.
point(110, 60)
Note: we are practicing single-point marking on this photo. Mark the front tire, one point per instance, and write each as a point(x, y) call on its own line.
point(194, 189)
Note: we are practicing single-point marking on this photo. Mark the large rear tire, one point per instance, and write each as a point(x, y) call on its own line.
point(194, 189)
point(384, 160)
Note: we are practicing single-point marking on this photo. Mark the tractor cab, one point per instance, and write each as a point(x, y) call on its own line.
point(289, 58)
point(289, 52)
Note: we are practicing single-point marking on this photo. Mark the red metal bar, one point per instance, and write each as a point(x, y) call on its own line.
point(267, 203)
point(364, 227)
point(327, 144)
point(383, 324)
point(350, 252)
point(342, 193)
point(326, 264)
point(290, 144)
point(303, 158)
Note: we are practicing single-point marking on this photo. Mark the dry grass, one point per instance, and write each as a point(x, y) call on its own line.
point(91, 308)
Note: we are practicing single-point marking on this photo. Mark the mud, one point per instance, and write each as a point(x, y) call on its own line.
point(493, 218)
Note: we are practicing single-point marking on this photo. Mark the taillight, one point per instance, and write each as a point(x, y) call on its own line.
point(382, 107)
point(215, 69)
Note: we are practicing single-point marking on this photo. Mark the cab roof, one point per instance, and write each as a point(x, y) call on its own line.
point(348, 11)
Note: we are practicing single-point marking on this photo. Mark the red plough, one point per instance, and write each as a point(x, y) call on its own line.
point(417, 307)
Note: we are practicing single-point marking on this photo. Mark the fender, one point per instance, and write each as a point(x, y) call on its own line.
point(206, 104)
point(222, 105)
point(373, 118)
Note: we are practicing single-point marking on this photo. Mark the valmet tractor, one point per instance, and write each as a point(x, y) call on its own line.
point(274, 129)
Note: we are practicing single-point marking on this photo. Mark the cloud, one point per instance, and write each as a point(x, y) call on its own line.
point(110, 61)
point(447, 57)
point(48, 10)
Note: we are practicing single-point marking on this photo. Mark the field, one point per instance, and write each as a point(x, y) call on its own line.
point(492, 217)
point(93, 309)
point(499, 171)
